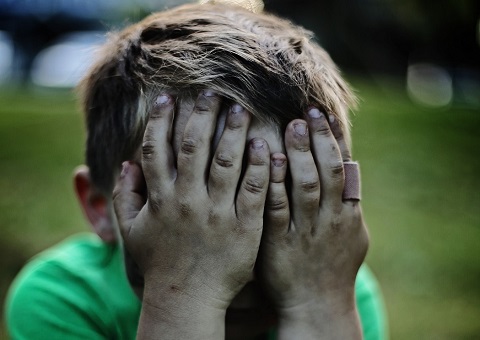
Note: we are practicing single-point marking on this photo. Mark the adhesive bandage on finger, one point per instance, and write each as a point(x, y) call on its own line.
point(351, 190)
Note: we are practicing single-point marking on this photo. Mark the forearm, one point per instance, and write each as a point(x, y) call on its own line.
point(176, 315)
point(327, 318)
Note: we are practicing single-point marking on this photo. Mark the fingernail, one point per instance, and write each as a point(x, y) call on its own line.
point(314, 113)
point(125, 166)
point(236, 108)
point(258, 144)
point(300, 128)
point(162, 99)
point(209, 93)
point(278, 162)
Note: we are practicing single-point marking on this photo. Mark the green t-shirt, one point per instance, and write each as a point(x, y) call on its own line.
point(78, 290)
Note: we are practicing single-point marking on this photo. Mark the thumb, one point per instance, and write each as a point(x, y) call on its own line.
point(128, 196)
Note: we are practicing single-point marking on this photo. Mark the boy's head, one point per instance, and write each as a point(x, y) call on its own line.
point(266, 64)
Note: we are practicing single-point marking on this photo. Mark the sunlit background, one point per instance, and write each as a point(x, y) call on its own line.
point(415, 65)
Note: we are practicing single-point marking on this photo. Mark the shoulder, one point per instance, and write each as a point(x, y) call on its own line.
point(71, 288)
point(370, 305)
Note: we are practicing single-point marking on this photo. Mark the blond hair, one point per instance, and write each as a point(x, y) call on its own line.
point(268, 65)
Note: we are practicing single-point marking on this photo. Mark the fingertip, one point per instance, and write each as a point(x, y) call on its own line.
point(279, 160)
point(238, 117)
point(207, 97)
point(259, 151)
point(257, 144)
point(161, 105)
point(278, 167)
point(297, 136)
point(130, 191)
point(314, 113)
point(122, 179)
point(335, 126)
point(298, 127)
point(318, 122)
point(131, 177)
point(163, 100)
point(126, 166)
point(338, 133)
point(208, 101)
point(237, 108)
point(208, 93)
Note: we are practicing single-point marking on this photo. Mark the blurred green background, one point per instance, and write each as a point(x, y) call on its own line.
point(421, 198)
point(416, 134)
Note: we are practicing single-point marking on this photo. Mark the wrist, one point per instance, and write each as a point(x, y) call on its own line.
point(185, 289)
point(329, 316)
point(178, 314)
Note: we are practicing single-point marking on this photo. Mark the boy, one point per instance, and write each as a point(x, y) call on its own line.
point(220, 238)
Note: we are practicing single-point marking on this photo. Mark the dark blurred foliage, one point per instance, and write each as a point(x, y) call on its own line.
point(36, 24)
point(385, 35)
point(378, 36)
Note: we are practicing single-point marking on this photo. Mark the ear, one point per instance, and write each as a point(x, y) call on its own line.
point(94, 204)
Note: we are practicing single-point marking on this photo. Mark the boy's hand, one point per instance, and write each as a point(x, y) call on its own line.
point(196, 237)
point(314, 242)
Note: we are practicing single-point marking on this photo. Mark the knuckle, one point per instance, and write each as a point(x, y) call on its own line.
point(336, 225)
point(235, 123)
point(311, 185)
point(311, 202)
point(213, 217)
point(116, 194)
point(259, 160)
point(148, 149)
point(322, 130)
point(277, 204)
point(254, 185)
point(224, 161)
point(365, 240)
point(201, 108)
point(153, 205)
point(240, 230)
point(203, 105)
point(336, 168)
point(356, 215)
point(302, 147)
point(366, 244)
point(185, 207)
point(156, 199)
point(154, 196)
point(189, 146)
point(156, 114)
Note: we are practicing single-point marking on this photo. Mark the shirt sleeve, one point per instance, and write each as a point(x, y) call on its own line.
point(371, 306)
point(40, 305)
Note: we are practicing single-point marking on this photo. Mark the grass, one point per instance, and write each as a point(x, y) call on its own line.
point(421, 201)
point(41, 137)
point(421, 198)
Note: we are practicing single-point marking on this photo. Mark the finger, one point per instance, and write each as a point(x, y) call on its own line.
point(128, 196)
point(326, 153)
point(157, 154)
point(253, 189)
point(277, 213)
point(227, 161)
point(351, 189)
point(194, 154)
point(340, 138)
point(305, 181)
